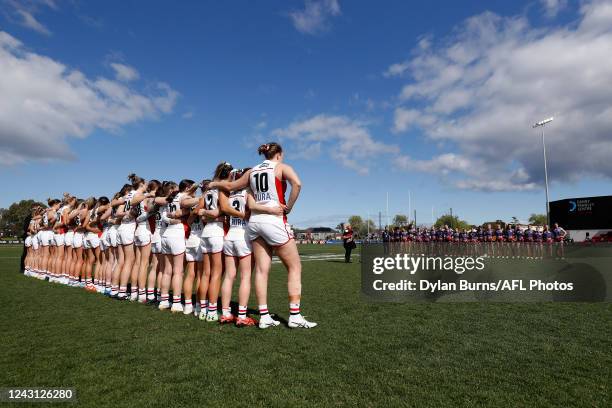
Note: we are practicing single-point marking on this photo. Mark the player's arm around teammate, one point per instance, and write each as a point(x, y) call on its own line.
point(173, 245)
point(143, 239)
point(269, 232)
point(237, 251)
point(127, 230)
point(104, 212)
point(212, 243)
point(79, 235)
point(46, 235)
point(113, 236)
point(92, 245)
point(193, 249)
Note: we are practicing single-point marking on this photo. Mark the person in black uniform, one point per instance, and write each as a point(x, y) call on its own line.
point(349, 242)
point(386, 238)
point(26, 227)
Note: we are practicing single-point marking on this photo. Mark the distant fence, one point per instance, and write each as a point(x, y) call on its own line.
point(11, 241)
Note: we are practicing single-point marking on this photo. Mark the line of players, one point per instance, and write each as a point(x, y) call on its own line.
point(446, 234)
point(509, 242)
point(160, 237)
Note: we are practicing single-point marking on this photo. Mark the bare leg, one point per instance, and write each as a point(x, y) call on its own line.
point(205, 280)
point(263, 262)
point(145, 254)
point(216, 268)
point(177, 277)
point(290, 257)
point(166, 277)
point(118, 268)
point(231, 264)
point(128, 263)
point(189, 279)
point(245, 265)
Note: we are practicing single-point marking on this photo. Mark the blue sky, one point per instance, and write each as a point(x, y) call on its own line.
point(435, 98)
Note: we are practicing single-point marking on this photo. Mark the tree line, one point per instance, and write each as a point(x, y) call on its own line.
point(361, 226)
point(13, 219)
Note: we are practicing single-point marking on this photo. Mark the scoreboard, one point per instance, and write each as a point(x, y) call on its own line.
point(582, 213)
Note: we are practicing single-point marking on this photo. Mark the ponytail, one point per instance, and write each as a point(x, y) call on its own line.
point(269, 150)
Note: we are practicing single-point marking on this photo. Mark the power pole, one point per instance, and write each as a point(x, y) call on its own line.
point(409, 206)
point(387, 208)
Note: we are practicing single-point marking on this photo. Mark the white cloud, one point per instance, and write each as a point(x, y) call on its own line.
point(552, 7)
point(397, 69)
point(314, 18)
point(124, 72)
point(24, 13)
point(29, 21)
point(43, 103)
point(348, 141)
point(482, 88)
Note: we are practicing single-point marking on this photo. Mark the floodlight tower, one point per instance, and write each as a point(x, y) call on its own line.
point(541, 124)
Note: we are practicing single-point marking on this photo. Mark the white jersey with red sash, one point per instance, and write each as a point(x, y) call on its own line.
point(267, 190)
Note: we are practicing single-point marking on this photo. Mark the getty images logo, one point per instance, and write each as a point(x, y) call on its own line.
point(572, 205)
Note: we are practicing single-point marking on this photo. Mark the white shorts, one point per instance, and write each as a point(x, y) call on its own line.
point(45, 238)
point(193, 254)
point(59, 239)
point(212, 245)
point(77, 240)
point(173, 245)
point(103, 244)
point(142, 236)
point(68, 237)
point(156, 246)
point(113, 236)
point(275, 234)
point(28, 241)
point(91, 240)
point(126, 233)
point(237, 249)
point(35, 242)
point(104, 240)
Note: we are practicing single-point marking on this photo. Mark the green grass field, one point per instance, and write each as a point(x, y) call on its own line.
point(362, 354)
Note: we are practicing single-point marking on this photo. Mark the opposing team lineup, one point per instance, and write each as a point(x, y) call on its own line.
point(157, 238)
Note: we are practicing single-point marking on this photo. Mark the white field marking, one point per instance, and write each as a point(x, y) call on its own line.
point(313, 257)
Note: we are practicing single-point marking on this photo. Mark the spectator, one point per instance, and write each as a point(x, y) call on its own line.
point(349, 242)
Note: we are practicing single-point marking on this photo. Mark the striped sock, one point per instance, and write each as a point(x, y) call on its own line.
point(122, 290)
point(294, 309)
point(163, 298)
point(134, 290)
point(150, 294)
point(114, 290)
point(212, 308)
point(203, 304)
point(263, 310)
point(176, 299)
point(242, 311)
point(227, 311)
point(187, 302)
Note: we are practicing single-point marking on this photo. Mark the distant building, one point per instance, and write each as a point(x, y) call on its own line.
point(583, 214)
point(317, 234)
